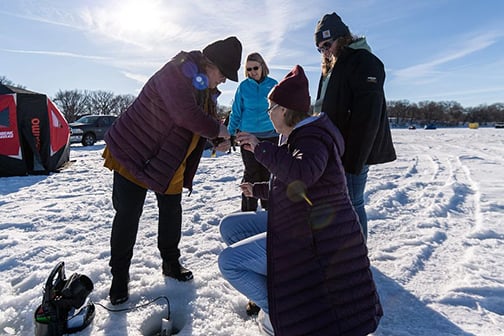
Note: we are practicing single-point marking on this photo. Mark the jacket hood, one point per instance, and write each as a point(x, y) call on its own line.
point(322, 126)
point(360, 43)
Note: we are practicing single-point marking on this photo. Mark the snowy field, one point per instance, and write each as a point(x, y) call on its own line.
point(436, 241)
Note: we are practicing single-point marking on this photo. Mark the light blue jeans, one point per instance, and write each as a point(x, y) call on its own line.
point(243, 263)
point(356, 185)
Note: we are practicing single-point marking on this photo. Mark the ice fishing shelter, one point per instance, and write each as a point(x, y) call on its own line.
point(34, 135)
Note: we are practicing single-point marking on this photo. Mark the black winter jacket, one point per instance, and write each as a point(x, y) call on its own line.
point(355, 102)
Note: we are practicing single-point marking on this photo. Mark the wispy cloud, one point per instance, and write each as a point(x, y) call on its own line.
point(37, 12)
point(140, 78)
point(454, 52)
point(55, 53)
point(163, 27)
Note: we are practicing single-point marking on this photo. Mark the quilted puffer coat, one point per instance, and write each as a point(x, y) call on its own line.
point(151, 138)
point(319, 277)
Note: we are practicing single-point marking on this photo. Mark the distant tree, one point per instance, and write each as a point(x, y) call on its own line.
point(101, 102)
point(401, 111)
point(485, 114)
point(5, 81)
point(121, 103)
point(497, 112)
point(453, 113)
point(72, 104)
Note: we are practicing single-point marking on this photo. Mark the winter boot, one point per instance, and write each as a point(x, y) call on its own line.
point(252, 309)
point(176, 271)
point(119, 289)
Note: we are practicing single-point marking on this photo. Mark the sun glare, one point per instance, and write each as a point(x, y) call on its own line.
point(145, 23)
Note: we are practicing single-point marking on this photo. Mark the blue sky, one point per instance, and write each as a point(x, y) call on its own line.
point(439, 50)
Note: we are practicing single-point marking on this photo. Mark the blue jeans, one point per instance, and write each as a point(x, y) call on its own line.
point(356, 185)
point(243, 263)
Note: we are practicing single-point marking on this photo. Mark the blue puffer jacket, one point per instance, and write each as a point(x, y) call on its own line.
point(250, 106)
point(319, 277)
point(151, 138)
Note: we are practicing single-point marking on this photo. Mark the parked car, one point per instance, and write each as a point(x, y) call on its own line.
point(91, 128)
point(430, 127)
point(499, 125)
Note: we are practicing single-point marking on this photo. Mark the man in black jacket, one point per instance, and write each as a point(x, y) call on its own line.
point(351, 93)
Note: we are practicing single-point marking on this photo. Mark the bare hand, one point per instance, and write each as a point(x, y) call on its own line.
point(223, 132)
point(223, 146)
point(247, 188)
point(247, 140)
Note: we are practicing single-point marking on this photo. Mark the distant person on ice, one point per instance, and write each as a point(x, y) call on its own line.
point(351, 93)
point(157, 145)
point(304, 261)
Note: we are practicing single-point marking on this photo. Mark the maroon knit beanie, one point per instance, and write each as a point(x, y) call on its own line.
point(292, 92)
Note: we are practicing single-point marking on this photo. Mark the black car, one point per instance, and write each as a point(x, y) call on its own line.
point(91, 128)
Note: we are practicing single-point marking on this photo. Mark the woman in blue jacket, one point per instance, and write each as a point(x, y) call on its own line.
point(249, 114)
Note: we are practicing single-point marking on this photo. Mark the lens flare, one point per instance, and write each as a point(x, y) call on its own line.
point(296, 192)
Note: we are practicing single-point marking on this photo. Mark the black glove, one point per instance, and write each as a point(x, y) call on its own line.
point(233, 142)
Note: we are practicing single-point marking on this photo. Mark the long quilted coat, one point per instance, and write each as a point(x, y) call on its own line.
point(319, 277)
point(151, 138)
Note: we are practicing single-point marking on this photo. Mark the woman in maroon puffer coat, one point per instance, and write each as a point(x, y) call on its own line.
point(310, 269)
point(156, 144)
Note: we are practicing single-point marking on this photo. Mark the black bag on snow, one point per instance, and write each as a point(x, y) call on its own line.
point(64, 309)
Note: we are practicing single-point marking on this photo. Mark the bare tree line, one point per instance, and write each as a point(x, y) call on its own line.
point(444, 113)
point(76, 103)
point(402, 113)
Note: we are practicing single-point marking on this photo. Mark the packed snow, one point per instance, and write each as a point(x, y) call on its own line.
point(436, 241)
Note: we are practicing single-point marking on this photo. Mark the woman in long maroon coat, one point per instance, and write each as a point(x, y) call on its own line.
point(304, 261)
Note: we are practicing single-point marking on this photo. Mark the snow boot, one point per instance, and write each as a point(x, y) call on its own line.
point(119, 289)
point(252, 309)
point(176, 271)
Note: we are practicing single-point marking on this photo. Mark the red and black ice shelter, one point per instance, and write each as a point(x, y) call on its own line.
point(34, 135)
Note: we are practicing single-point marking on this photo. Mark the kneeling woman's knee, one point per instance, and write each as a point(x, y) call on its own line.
point(225, 262)
point(223, 226)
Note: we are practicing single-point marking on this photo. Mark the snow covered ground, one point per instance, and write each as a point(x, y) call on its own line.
point(436, 241)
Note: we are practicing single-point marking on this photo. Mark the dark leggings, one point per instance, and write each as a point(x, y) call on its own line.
point(254, 172)
point(128, 199)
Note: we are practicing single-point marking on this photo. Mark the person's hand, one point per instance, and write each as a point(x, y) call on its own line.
point(223, 146)
point(223, 132)
point(247, 188)
point(247, 140)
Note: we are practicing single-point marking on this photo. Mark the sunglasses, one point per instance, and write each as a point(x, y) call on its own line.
point(253, 68)
point(325, 46)
point(272, 108)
